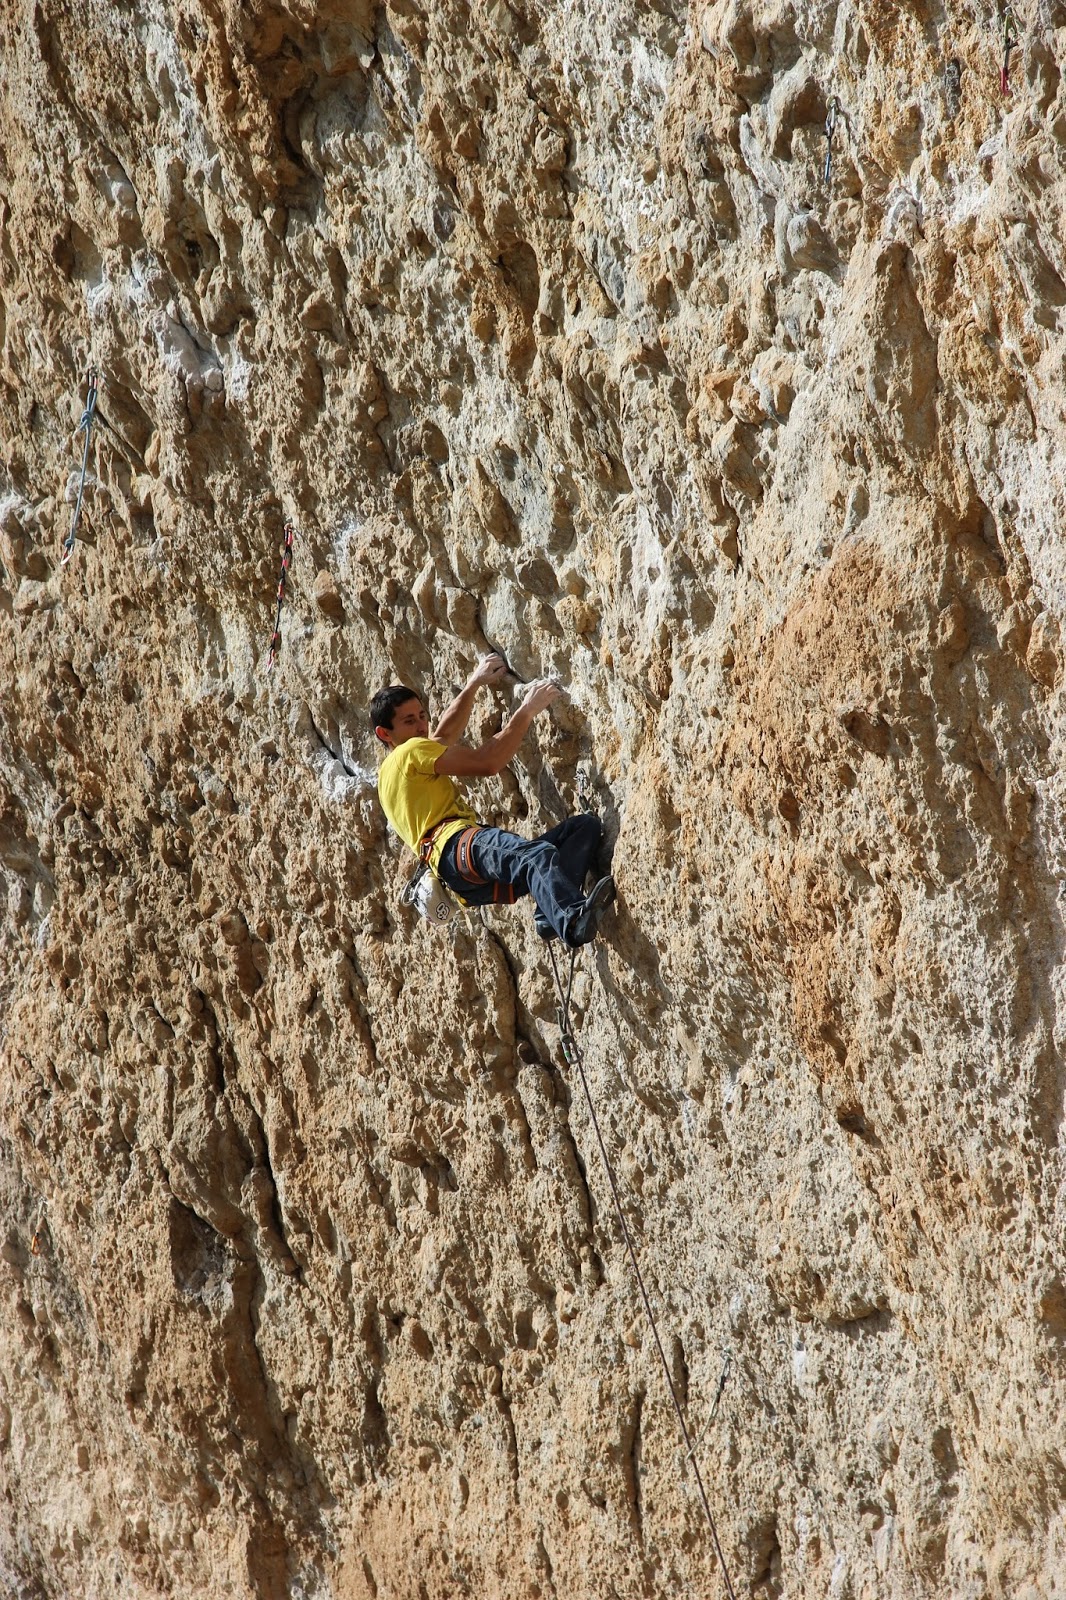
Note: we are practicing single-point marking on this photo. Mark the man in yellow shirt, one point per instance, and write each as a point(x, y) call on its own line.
point(483, 865)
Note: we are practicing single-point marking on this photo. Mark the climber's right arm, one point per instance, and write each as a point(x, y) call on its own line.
point(459, 761)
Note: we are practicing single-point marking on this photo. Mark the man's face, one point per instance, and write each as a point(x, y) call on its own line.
point(409, 722)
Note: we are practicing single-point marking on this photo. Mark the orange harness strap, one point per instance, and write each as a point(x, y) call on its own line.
point(464, 864)
point(425, 844)
point(502, 893)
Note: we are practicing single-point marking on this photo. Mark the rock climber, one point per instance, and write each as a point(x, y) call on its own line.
point(483, 865)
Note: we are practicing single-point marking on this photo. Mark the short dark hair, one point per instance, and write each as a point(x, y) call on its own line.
point(387, 702)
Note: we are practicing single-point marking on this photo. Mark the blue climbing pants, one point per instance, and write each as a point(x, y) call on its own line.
point(551, 868)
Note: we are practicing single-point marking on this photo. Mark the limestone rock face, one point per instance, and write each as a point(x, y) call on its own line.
point(546, 328)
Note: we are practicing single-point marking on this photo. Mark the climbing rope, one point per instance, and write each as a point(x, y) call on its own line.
point(831, 116)
point(286, 557)
point(87, 418)
point(574, 1057)
point(1010, 39)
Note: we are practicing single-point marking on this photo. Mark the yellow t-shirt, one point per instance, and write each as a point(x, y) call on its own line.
point(415, 798)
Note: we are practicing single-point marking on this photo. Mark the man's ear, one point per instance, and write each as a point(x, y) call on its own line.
point(383, 735)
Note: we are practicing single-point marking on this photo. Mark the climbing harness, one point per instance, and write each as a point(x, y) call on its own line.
point(574, 1057)
point(87, 418)
point(425, 844)
point(1010, 39)
point(502, 893)
point(286, 557)
point(831, 116)
point(475, 890)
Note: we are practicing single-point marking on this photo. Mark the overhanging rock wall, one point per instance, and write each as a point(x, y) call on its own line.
point(542, 325)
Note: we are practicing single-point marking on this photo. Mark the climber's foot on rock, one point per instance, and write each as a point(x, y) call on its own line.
point(587, 919)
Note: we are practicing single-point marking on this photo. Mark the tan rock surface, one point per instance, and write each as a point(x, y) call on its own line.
point(540, 323)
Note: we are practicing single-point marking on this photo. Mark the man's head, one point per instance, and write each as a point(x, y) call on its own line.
point(397, 714)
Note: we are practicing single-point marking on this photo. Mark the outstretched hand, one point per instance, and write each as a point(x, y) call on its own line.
point(490, 669)
point(540, 694)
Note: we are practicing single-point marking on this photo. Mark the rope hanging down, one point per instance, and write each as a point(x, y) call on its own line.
point(286, 557)
point(573, 1056)
point(87, 418)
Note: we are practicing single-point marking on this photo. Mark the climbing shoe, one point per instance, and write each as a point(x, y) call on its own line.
point(543, 928)
point(587, 918)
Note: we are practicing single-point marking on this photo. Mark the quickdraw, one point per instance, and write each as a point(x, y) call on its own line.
point(1010, 39)
point(727, 1363)
point(574, 1058)
point(286, 557)
point(87, 418)
point(831, 116)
